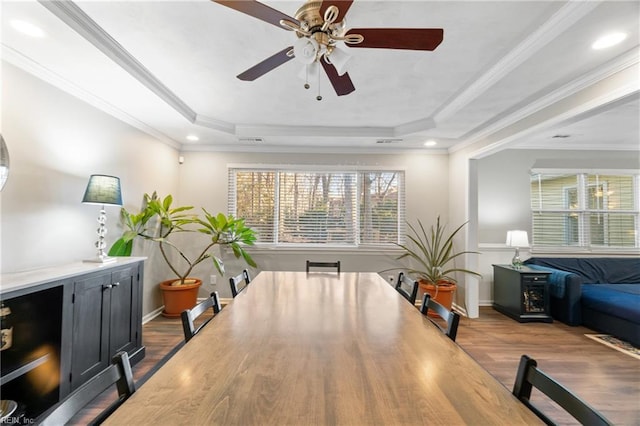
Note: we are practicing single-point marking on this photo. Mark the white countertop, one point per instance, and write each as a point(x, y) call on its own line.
point(25, 279)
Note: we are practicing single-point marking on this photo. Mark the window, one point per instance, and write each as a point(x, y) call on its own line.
point(337, 208)
point(585, 210)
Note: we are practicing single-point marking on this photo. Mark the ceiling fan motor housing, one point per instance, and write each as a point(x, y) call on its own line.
point(312, 22)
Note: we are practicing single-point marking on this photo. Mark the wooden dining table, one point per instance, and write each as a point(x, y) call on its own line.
point(321, 348)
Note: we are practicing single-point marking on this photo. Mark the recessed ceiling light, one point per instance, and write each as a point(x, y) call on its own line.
point(27, 28)
point(430, 143)
point(608, 40)
point(193, 138)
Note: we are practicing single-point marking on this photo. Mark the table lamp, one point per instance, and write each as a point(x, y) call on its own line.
point(517, 239)
point(102, 190)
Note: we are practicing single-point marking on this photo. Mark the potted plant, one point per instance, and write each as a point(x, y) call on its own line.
point(431, 253)
point(180, 293)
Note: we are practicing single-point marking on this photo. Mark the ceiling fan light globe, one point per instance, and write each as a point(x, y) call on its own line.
point(339, 58)
point(305, 50)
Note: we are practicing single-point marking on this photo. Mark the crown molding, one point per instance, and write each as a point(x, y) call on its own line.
point(312, 131)
point(415, 126)
point(563, 19)
point(620, 64)
point(296, 149)
point(74, 17)
point(17, 59)
point(215, 124)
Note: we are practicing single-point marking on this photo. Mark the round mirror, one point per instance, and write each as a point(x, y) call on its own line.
point(4, 163)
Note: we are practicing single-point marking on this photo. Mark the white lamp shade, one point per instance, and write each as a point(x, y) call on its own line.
point(517, 238)
point(339, 58)
point(103, 189)
point(305, 50)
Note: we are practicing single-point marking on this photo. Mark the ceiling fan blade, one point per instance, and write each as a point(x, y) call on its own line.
point(399, 38)
point(258, 10)
point(267, 65)
point(342, 5)
point(341, 83)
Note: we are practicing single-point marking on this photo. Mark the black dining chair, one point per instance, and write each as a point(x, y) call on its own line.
point(312, 264)
point(118, 373)
point(407, 288)
point(529, 376)
point(239, 282)
point(451, 318)
point(189, 316)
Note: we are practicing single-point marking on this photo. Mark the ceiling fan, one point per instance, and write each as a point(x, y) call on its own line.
point(319, 26)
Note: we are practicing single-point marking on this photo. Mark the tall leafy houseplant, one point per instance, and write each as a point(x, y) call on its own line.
point(223, 230)
point(431, 253)
point(159, 220)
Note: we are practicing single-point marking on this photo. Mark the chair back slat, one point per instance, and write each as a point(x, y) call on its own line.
point(407, 287)
point(312, 264)
point(529, 376)
point(118, 373)
point(239, 282)
point(451, 318)
point(189, 316)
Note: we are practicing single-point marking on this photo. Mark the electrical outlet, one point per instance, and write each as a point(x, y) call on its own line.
point(213, 280)
point(390, 278)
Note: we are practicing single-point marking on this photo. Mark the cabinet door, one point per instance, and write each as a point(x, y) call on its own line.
point(90, 340)
point(123, 321)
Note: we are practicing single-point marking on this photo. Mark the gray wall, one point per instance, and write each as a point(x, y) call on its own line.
point(503, 197)
point(55, 142)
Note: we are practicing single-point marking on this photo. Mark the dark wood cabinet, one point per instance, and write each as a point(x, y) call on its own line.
point(69, 322)
point(522, 293)
point(90, 344)
point(105, 321)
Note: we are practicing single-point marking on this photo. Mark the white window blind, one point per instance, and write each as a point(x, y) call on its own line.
point(586, 210)
point(338, 208)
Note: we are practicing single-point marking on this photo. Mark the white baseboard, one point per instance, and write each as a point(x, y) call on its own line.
point(151, 315)
point(459, 309)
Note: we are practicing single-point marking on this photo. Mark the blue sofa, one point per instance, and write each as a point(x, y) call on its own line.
point(601, 293)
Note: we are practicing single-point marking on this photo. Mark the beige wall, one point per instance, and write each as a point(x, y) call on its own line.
point(56, 141)
point(204, 179)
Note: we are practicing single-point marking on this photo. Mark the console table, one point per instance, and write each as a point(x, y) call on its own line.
point(521, 293)
point(68, 321)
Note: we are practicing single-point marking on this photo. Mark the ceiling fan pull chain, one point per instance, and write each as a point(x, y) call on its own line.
point(306, 78)
point(319, 97)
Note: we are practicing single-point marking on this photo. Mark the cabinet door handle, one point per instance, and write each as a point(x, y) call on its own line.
point(107, 287)
point(116, 284)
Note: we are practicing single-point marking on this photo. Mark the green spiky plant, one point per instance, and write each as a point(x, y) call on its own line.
point(432, 252)
point(223, 230)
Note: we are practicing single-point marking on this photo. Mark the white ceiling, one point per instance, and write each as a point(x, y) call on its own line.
point(169, 69)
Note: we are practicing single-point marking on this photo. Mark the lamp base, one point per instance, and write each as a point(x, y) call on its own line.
point(104, 259)
point(516, 262)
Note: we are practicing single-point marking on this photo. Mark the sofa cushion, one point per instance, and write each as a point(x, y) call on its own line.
point(595, 270)
point(619, 300)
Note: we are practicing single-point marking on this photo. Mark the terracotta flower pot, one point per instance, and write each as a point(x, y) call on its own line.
point(442, 293)
point(177, 298)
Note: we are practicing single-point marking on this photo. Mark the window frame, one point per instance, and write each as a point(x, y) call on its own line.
point(584, 211)
point(358, 172)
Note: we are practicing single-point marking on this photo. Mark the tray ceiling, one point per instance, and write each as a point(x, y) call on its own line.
point(169, 69)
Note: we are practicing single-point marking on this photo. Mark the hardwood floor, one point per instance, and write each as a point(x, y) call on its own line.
point(607, 379)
